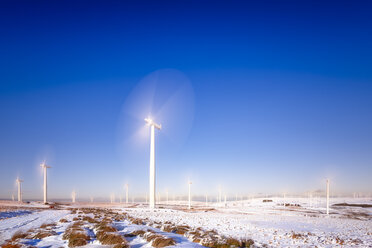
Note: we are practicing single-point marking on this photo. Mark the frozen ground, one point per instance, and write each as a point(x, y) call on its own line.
point(271, 224)
point(274, 224)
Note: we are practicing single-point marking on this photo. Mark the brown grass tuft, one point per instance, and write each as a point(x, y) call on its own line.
point(10, 245)
point(182, 229)
point(19, 235)
point(247, 242)
point(48, 225)
point(43, 234)
point(89, 219)
point(77, 242)
point(163, 242)
point(63, 220)
point(111, 239)
point(138, 233)
point(121, 246)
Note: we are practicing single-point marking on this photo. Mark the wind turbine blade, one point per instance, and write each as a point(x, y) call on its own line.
point(177, 114)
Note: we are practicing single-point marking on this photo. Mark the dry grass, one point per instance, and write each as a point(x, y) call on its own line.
point(136, 233)
point(247, 242)
point(121, 246)
point(111, 238)
point(76, 235)
point(137, 221)
point(90, 219)
point(77, 242)
point(107, 235)
point(63, 220)
point(77, 238)
point(43, 234)
point(296, 235)
point(10, 245)
point(103, 227)
point(19, 235)
point(163, 242)
point(182, 229)
point(48, 225)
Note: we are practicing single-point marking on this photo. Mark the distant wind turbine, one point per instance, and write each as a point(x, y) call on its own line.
point(126, 193)
point(152, 125)
point(219, 195)
point(73, 196)
point(19, 181)
point(44, 166)
point(190, 194)
point(327, 196)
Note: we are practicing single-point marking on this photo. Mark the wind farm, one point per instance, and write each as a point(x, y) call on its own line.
point(180, 124)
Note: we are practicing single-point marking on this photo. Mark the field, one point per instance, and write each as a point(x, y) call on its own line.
point(271, 222)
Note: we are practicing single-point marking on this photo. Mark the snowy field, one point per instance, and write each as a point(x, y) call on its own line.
point(279, 222)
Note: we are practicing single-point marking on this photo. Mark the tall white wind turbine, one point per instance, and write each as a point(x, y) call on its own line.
point(45, 166)
point(19, 181)
point(152, 125)
point(190, 194)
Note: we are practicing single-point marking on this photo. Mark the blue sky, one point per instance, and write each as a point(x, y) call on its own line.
point(282, 95)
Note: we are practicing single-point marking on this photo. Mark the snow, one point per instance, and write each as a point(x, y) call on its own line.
point(274, 225)
point(10, 214)
point(268, 223)
point(25, 222)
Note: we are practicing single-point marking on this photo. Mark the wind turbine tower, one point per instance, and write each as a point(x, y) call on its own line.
point(19, 181)
point(45, 167)
point(190, 194)
point(327, 196)
point(126, 193)
point(219, 195)
point(152, 125)
point(73, 196)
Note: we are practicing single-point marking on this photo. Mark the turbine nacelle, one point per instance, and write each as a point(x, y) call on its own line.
point(150, 122)
point(19, 180)
point(44, 165)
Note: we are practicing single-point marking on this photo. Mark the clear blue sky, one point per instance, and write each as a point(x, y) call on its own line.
point(283, 94)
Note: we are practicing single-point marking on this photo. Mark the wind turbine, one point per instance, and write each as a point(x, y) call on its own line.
point(73, 196)
point(152, 125)
point(44, 166)
point(19, 181)
point(219, 194)
point(327, 196)
point(126, 193)
point(190, 194)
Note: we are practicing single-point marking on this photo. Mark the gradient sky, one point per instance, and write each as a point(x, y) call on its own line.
point(282, 94)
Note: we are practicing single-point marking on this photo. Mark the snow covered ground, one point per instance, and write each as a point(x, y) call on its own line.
point(275, 225)
point(28, 221)
point(282, 222)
